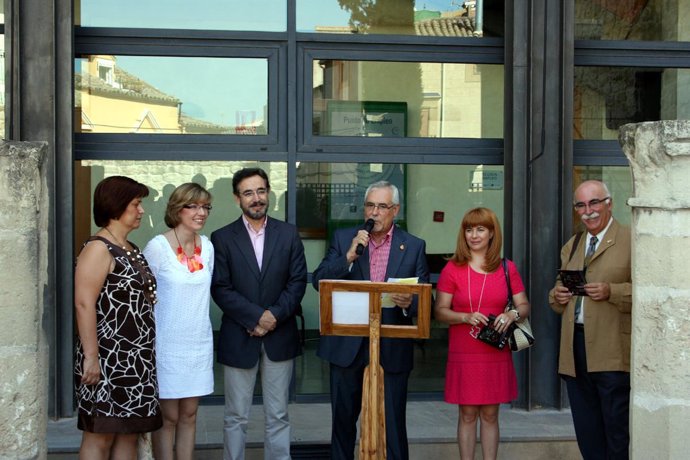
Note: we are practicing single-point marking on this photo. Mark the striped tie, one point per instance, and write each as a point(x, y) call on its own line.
point(588, 256)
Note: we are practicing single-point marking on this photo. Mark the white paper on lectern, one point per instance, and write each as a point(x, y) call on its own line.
point(350, 307)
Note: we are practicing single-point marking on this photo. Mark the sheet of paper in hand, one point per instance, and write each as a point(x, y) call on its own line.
point(574, 280)
point(386, 299)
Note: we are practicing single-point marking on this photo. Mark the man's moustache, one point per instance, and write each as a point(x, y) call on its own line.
point(593, 215)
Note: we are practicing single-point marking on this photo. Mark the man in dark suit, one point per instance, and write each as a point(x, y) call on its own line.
point(388, 252)
point(595, 329)
point(259, 279)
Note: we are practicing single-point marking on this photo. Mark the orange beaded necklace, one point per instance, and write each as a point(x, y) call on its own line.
point(194, 261)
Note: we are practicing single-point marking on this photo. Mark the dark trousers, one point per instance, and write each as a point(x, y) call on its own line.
point(346, 405)
point(599, 402)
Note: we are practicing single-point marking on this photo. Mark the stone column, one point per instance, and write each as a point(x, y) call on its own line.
point(659, 154)
point(23, 344)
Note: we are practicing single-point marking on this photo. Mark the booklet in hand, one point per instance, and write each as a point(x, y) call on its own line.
point(574, 280)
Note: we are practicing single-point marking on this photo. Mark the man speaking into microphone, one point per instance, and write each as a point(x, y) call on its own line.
point(376, 251)
point(368, 227)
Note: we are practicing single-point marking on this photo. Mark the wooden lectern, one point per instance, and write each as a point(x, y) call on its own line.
point(372, 441)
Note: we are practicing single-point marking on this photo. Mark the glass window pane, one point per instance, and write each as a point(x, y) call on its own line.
point(431, 18)
point(619, 182)
point(161, 177)
point(429, 211)
point(238, 15)
point(608, 97)
point(407, 99)
point(433, 200)
point(171, 95)
point(658, 20)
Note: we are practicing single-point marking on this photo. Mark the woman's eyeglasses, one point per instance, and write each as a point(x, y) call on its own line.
point(198, 207)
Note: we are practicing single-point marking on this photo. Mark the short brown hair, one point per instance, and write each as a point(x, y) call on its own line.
point(486, 218)
point(112, 196)
point(185, 194)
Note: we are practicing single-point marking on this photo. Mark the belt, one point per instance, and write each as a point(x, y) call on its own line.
point(579, 326)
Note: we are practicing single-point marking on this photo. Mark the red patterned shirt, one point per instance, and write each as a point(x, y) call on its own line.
point(378, 256)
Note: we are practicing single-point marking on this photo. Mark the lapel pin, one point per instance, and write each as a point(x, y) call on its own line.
point(402, 247)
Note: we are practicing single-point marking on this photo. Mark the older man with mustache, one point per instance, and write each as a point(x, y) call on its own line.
point(595, 329)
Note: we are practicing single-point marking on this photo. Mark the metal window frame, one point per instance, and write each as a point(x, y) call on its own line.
point(278, 145)
point(291, 111)
point(622, 53)
point(188, 146)
point(408, 149)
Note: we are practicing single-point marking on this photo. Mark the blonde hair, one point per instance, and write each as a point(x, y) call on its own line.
point(183, 195)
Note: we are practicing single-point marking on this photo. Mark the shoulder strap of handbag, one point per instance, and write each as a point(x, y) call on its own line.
point(578, 237)
point(505, 270)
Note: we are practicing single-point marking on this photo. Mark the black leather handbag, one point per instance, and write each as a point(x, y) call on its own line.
point(491, 336)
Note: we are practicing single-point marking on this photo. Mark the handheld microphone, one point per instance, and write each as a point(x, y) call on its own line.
point(368, 225)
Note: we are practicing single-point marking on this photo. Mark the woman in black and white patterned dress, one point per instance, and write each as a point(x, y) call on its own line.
point(115, 291)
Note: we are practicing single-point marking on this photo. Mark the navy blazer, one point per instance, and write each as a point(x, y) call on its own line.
point(407, 259)
point(244, 292)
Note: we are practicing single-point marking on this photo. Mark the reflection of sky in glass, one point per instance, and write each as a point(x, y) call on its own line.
point(214, 89)
point(225, 14)
point(211, 89)
point(186, 14)
point(313, 13)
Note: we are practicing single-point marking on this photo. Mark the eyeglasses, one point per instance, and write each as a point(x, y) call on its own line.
point(198, 207)
point(594, 204)
point(383, 207)
point(258, 191)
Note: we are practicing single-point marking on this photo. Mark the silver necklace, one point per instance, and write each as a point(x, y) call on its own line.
point(474, 330)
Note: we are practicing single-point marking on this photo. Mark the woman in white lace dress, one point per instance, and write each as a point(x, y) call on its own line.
point(182, 261)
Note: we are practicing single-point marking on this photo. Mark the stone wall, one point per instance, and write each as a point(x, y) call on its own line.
point(659, 155)
point(23, 344)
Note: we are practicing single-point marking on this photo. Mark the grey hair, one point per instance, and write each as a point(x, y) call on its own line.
point(602, 184)
point(384, 184)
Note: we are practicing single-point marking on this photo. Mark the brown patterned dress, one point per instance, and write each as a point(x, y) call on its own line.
point(125, 400)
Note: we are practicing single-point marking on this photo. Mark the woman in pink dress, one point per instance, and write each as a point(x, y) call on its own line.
point(471, 287)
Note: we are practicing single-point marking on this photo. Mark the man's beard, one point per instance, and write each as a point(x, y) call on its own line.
point(256, 214)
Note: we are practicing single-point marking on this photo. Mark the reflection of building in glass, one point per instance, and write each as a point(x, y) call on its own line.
point(395, 99)
point(404, 18)
point(459, 23)
point(621, 20)
point(442, 99)
point(192, 125)
point(606, 98)
point(109, 99)
point(247, 123)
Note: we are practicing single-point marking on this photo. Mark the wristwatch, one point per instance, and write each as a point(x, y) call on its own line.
point(517, 314)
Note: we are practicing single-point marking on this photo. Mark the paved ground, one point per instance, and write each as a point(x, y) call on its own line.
point(428, 422)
